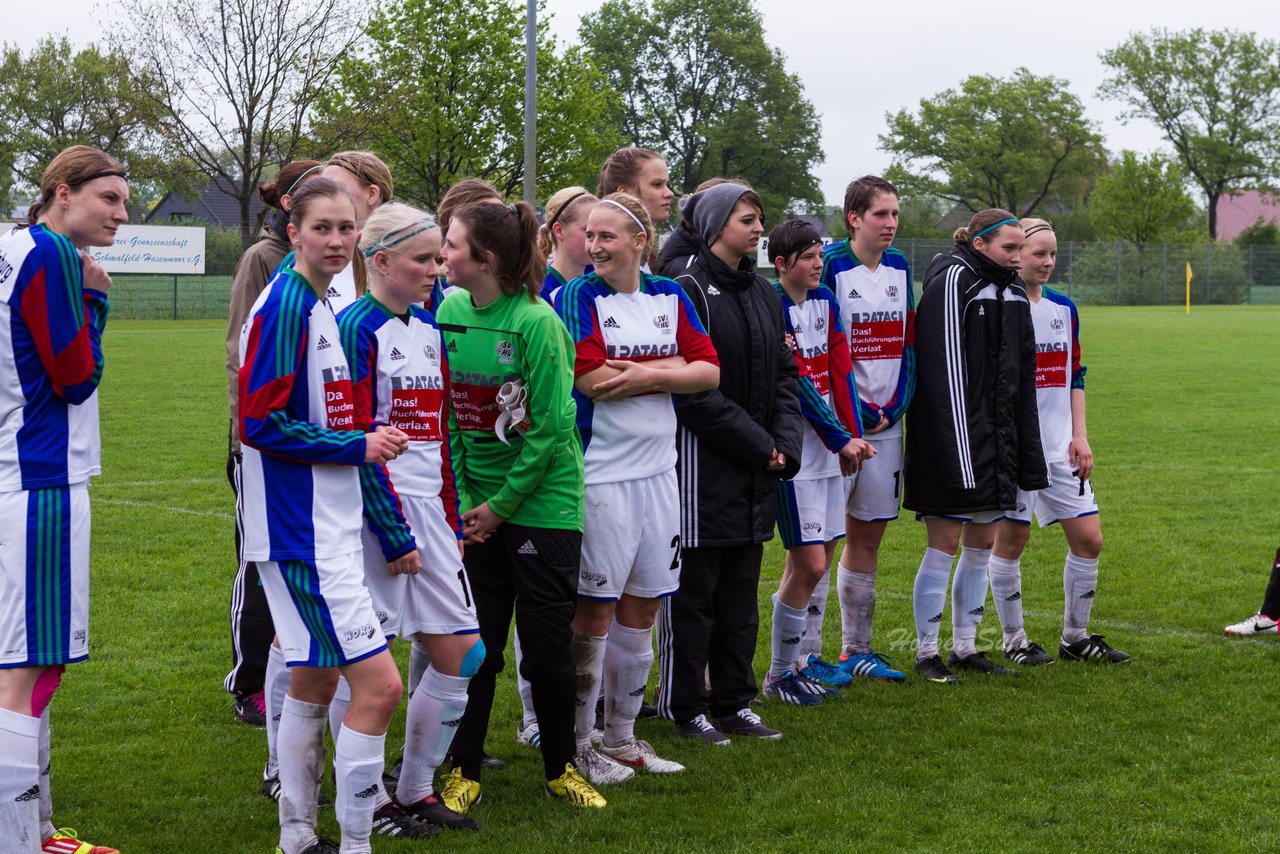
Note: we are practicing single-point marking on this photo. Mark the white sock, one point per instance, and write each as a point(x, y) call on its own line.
point(1006, 591)
point(527, 715)
point(788, 628)
point(1079, 585)
point(357, 762)
point(968, 598)
point(928, 599)
point(19, 783)
point(430, 723)
point(277, 686)
point(46, 792)
point(300, 743)
point(588, 664)
point(812, 643)
point(628, 658)
point(857, 608)
point(338, 707)
point(418, 662)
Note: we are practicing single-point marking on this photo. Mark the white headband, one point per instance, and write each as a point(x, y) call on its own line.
point(623, 208)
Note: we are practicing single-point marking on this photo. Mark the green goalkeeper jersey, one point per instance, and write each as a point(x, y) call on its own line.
point(536, 480)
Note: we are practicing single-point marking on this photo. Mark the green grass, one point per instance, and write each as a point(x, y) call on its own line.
point(1169, 753)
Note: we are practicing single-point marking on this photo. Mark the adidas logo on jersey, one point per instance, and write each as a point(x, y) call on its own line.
point(982, 311)
point(32, 794)
point(610, 323)
point(713, 291)
point(853, 294)
point(396, 355)
point(323, 344)
point(333, 292)
point(527, 549)
point(452, 347)
point(369, 792)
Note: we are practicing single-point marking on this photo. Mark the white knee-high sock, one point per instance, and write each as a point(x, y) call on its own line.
point(1006, 591)
point(430, 723)
point(418, 662)
point(276, 684)
point(338, 707)
point(19, 783)
point(300, 743)
point(857, 609)
point(968, 598)
point(588, 660)
point(628, 658)
point(527, 715)
point(46, 778)
point(357, 763)
point(1079, 586)
point(788, 628)
point(812, 642)
point(928, 599)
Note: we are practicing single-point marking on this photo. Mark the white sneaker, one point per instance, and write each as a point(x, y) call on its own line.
point(1255, 625)
point(601, 770)
point(529, 736)
point(640, 755)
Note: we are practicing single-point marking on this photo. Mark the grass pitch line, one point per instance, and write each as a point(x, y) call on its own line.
point(148, 505)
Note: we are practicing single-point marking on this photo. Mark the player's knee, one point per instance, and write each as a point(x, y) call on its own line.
point(1089, 546)
point(473, 660)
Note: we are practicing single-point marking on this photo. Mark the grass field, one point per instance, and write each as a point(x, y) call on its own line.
point(1168, 753)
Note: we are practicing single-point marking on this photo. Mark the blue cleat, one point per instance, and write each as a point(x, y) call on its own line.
point(825, 673)
point(789, 689)
point(871, 665)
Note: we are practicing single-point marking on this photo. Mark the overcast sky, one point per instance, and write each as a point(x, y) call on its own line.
point(859, 59)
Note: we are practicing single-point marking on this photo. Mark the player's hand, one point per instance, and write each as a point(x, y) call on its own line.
point(96, 278)
point(634, 378)
point(854, 454)
point(1080, 456)
point(777, 461)
point(382, 447)
point(409, 564)
point(479, 524)
point(881, 425)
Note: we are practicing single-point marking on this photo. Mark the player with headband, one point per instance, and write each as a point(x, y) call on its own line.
point(562, 239)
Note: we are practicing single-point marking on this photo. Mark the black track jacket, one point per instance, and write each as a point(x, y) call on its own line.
point(973, 431)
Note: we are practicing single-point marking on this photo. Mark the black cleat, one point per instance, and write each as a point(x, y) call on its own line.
point(1092, 648)
point(978, 661)
point(320, 846)
point(492, 763)
point(934, 670)
point(1030, 655)
point(648, 710)
point(393, 821)
point(251, 709)
point(431, 810)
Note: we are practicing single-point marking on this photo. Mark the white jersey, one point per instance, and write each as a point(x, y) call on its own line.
point(1058, 369)
point(342, 289)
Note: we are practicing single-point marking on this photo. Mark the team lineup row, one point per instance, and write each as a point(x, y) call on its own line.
point(588, 446)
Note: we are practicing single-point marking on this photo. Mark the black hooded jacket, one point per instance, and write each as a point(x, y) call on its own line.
point(727, 435)
point(973, 430)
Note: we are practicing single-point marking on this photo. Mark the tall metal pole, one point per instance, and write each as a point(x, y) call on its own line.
point(530, 102)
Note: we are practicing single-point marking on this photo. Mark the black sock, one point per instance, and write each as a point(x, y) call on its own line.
point(1271, 601)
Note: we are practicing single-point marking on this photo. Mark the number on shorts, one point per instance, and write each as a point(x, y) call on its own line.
point(466, 591)
point(675, 560)
point(897, 483)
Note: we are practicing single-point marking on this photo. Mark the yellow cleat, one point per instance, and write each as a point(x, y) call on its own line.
point(572, 789)
point(67, 841)
point(459, 793)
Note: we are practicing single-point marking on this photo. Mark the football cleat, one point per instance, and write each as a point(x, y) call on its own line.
point(600, 769)
point(320, 846)
point(746, 722)
point(871, 665)
point(978, 662)
point(701, 729)
point(67, 841)
point(1092, 648)
point(787, 689)
point(394, 821)
point(572, 789)
point(270, 788)
point(252, 709)
point(641, 756)
point(825, 672)
point(1258, 624)
point(459, 793)
point(1029, 655)
point(934, 670)
point(432, 810)
point(529, 735)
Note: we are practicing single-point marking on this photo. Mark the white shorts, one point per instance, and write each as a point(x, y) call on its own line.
point(436, 601)
point(979, 517)
point(631, 539)
point(811, 512)
point(1066, 497)
point(44, 576)
point(876, 493)
point(323, 613)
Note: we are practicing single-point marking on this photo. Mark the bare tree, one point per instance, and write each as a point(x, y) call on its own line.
point(236, 79)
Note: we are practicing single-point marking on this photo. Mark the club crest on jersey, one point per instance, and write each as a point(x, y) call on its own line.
point(1056, 324)
point(891, 291)
point(430, 353)
point(662, 323)
point(506, 353)
point(819, 323)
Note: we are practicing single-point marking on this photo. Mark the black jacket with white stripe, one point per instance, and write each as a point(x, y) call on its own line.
point(973, 431)
point(726, 435)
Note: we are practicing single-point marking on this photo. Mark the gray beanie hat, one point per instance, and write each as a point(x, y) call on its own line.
point(708, 210)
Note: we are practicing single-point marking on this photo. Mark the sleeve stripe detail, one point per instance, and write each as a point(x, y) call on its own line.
point(955, 375)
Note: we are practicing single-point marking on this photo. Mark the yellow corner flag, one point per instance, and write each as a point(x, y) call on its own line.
point(1188, 287)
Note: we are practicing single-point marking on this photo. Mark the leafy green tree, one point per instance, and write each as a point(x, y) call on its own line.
point(437, 90)
point(1261, 233)
point(54, 97)
point(1141, 200)
point(700, 85)
point(1216, 96)
point(1015, 143)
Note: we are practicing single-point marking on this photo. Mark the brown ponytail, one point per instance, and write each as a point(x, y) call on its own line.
point(509, 235)
point(286, 181)
point(980, 223)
